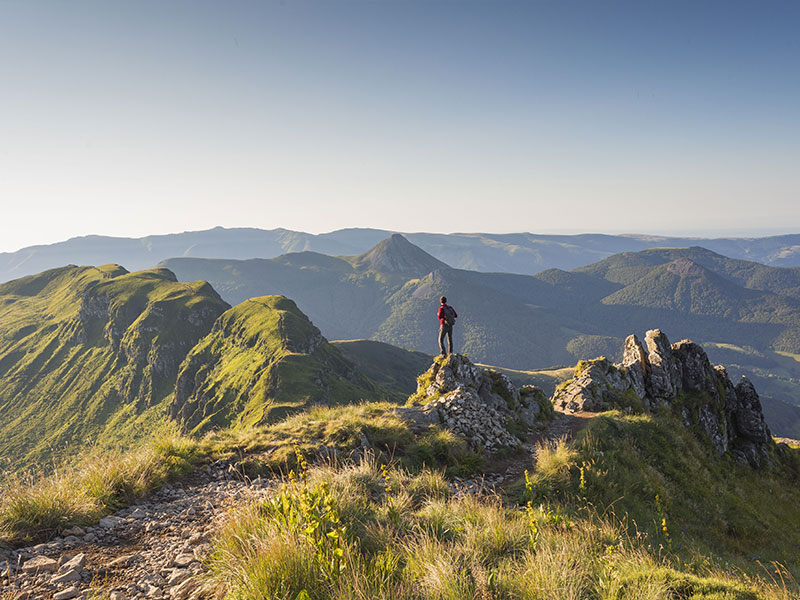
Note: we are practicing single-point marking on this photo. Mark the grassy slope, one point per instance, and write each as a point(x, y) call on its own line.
point(263, 360)
point(713, 506)
point(394, 368)
point(90, 354)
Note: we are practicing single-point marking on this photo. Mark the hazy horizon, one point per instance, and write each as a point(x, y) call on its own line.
point(698, 234)
point(131, 119)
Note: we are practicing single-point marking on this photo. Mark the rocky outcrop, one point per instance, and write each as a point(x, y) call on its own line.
point(681, 377)
point(480, 405)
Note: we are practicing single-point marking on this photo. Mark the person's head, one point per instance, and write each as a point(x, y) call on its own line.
point(444, 300)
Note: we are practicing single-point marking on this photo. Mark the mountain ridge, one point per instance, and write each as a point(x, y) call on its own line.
point(524, 253)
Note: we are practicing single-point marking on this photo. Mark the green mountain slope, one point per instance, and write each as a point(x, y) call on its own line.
point(394, 368)
point(627, 267)
point(91, 354)
point(262, 360)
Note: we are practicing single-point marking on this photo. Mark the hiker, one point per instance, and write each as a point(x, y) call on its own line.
point(447, 318)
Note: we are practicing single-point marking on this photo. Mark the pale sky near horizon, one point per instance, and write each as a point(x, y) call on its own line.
point(143, 117)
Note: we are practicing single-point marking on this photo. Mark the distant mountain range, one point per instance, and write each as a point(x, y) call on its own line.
point(523, 253)
point(747, 311)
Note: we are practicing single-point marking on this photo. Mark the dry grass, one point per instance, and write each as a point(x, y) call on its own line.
point(427, 545)
point(33, 508)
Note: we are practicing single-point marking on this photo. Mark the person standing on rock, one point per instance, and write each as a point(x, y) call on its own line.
point(447, 318)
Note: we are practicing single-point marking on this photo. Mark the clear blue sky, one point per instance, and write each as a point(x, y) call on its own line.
point(130, 118)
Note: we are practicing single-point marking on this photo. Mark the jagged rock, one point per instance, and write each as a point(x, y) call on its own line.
point(752, 435)
point(597, 384)
point(694, 368)
point(476, 404)
point(664, 380)
point(748, 415)
point(634, 359)
point(679, 376)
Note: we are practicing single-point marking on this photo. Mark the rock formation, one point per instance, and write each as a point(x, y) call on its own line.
point(678, 376)
point(477, 404)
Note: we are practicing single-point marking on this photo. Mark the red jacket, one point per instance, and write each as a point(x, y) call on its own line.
point(441, 314)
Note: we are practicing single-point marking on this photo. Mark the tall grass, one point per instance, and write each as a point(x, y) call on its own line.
point(33, 508)
point(406, 538)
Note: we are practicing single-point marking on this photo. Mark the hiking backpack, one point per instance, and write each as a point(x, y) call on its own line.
point(449, 315)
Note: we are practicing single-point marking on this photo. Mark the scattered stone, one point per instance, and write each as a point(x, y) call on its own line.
point(124, 561)
point(67, 576)
point(40, 564)
point(138, 513)
point(184, 560)
point(76, 562)
point(178, 576)
point(76, 531)
point(110, 522)
point(67, 594)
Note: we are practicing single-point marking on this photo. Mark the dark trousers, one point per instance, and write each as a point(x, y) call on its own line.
point(445, 331)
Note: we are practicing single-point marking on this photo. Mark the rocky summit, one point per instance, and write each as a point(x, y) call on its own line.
point(479, 405)
point(678, 377)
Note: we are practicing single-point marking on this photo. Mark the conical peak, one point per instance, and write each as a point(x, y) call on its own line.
point(685, 267)
point(396, 254)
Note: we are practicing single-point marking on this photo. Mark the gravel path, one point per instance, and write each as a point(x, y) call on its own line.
point(153, 550)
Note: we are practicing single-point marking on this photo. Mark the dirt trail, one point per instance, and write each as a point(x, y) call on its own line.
point(152, 550)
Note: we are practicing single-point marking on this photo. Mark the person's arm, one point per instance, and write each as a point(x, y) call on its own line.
point(440, 314)
point(455, 314)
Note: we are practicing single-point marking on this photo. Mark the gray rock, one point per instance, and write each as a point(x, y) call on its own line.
point(76, 562)
point(634, 360)
point(67, 576)
point(664, 381)
point(183, 560)
point(40, 564)
point(110, 522)
point(67, 594)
